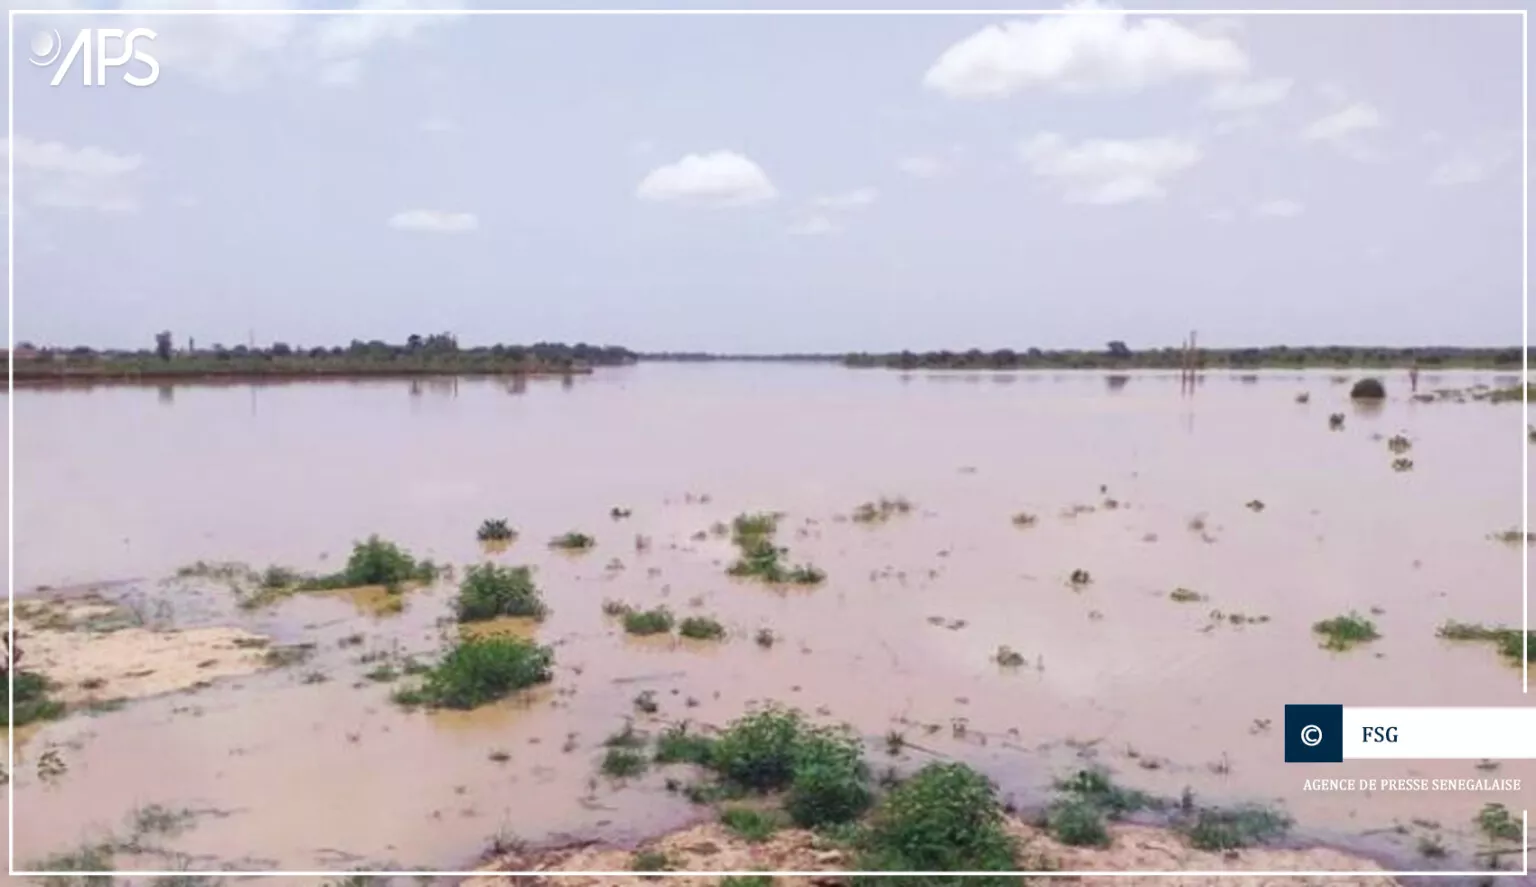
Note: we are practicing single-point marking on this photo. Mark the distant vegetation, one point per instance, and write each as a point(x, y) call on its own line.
point(438, 354)
point(1117, 355)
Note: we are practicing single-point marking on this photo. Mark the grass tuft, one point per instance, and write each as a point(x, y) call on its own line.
point(1344, 632)
point(572, 541)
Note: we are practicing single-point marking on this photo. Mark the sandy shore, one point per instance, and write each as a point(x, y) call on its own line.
point(92, 652)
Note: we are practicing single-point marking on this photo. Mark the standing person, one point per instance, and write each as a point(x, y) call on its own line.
point(1413, 376)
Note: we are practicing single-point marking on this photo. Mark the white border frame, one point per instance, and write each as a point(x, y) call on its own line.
point(570, 13)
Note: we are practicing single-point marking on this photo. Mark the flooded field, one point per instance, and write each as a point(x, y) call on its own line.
point(1240, 495)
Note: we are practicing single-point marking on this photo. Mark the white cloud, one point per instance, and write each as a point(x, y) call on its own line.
point(1343, 129)
point(1476, 162)
point(1245, 95)
point(1279, 208)
point(855, 199)
point(922, 167)
point(1107, 171)
point(55, 175)
point(719, 178)
point(346, 72)
point(814, 226)
point(434, 220)
point(1348, 120)
point(1100, 50)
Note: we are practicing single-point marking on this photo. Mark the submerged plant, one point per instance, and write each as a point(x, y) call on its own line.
point(1398, 443)
point(1185, 596)
point(32, 700)
point(1303, 397)
point(1080, 578)
point(1255, 505)
point(1233, 829)
point(495, 530)
point(618, 513)
point(489, 591)
point(658, 620)
point(1024, 519)
point(764, 638)
point(701, 628)
point(572, 541)
point(1511, 643)
point(1514, 537)
point(1008, 657)
point(1336, 422)
point(1343, 632)
point(1402, 463)
point(676, 745)
point(881, 511)
point(623, 763)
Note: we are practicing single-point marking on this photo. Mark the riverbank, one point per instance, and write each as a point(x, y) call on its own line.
point(710, 848)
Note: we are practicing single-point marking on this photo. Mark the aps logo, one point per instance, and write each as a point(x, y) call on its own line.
point(97, 49)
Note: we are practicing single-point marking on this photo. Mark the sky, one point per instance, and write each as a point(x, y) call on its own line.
point(773, 183)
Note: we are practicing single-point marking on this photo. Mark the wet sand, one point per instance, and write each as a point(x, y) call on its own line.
point(121, 484)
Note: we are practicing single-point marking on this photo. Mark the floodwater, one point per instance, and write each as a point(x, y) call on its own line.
point(129, 483)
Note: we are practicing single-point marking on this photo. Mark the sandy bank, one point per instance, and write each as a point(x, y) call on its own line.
point(711, 847)
point(91, 653)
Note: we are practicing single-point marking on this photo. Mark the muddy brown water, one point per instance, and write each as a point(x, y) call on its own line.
point(123, 483)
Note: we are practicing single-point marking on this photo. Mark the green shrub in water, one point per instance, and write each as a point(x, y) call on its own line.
point(572, 541)
point(648, 622)
point(701, 628)
point(1235, 828)
point(32, 700)
point(758, 750)
point(376, 561)
point(829, 782)
point(1343, 632)
point(1511, 644)
point(489, 591)
point(945, 818)
point(495, 530)
point(676, 745)
point(478, 670)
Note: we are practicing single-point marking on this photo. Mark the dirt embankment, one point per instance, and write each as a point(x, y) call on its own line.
point(92, 650)
point(712, 848)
